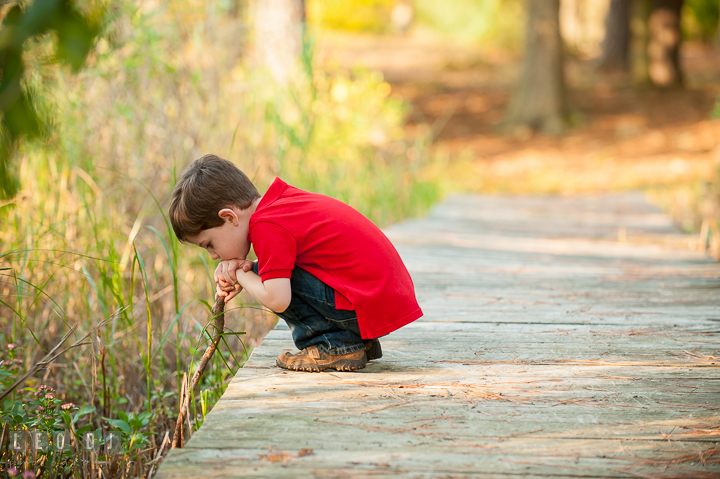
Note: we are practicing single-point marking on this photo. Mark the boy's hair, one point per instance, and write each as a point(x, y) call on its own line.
point(208, 185)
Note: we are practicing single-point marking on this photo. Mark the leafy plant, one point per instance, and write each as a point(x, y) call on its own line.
point(74, 34)
point(133, 430)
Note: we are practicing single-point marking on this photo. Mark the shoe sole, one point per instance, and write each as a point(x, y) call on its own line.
point(341, 365)
point(374, 351)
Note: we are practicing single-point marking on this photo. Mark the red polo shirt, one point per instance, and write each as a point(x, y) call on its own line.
point(340, 247)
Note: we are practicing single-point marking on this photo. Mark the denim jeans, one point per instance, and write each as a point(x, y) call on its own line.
point(313, 319)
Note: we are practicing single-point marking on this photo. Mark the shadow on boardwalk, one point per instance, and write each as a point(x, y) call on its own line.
point(548, 349)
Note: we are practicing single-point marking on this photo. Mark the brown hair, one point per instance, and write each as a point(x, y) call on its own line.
point(208, 185)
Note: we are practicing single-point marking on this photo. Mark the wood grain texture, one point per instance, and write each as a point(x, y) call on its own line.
point(548, 349)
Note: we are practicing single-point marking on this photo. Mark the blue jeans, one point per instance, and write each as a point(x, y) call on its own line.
point(313, 319)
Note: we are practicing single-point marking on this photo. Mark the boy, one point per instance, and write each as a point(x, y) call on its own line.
point(324, 268)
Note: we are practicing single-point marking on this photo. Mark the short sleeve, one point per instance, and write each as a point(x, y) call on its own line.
point(276, 250)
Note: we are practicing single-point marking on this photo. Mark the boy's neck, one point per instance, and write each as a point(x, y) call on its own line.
point(253, 206)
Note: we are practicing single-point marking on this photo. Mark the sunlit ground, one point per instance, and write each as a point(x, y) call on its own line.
point(622, 136)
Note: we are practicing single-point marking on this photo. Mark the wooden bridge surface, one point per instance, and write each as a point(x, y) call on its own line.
point(549, 348)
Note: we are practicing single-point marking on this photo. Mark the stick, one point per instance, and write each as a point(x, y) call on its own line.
point(218, 311)
point(4, 438)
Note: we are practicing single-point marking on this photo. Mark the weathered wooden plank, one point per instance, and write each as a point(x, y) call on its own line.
point(548, 349)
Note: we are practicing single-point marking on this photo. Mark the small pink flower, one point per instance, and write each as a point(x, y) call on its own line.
point(40, 409)
point(66, 406)
point(49, 396)
point(28, 474)
point(11, 346)
point(13, 472)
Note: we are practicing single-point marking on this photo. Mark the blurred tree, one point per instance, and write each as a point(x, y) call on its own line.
point(353, 15)
point(279, 28)
point(539, 99)
point(238, 8)
point(73, 36)
point(706, 18)
point(402, 16)
point(616, 45)
point(663, 48)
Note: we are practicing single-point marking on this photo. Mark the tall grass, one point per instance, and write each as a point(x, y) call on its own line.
point(87, 239)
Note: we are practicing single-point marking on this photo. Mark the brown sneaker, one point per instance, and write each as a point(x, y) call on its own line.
point(373, 349)
point(312, 360)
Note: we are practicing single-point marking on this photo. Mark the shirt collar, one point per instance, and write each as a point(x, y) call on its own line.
point(272, 194)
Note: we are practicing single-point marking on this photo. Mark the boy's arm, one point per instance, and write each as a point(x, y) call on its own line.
point(274, 294)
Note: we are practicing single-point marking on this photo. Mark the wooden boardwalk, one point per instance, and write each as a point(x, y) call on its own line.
point(549, 348)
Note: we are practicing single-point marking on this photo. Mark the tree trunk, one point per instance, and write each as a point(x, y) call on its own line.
point(664, 43)
point(279, 26)
point(238, 9)
point(616, 46)
point(539, 100)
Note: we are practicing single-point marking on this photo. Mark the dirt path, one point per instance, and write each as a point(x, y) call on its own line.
point(623, 138)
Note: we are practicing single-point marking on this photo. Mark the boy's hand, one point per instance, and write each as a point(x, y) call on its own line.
point(227, 292)
point(226, 279)
point(226, 269)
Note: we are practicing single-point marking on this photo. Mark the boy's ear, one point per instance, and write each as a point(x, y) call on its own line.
point(229, 215)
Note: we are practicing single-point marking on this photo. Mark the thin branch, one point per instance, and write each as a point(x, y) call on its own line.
point(218, 312)
point(56, 352)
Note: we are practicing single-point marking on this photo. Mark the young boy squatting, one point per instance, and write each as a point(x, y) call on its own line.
point(323, 267)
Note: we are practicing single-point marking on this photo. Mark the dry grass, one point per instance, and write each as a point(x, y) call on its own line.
point(87, 235)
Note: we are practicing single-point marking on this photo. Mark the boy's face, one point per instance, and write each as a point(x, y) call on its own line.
point(228, 241)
